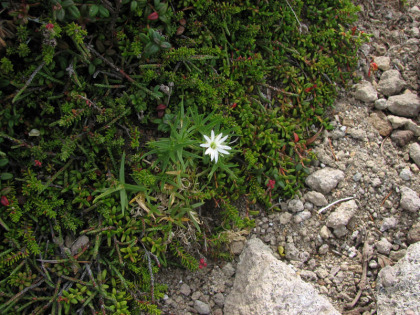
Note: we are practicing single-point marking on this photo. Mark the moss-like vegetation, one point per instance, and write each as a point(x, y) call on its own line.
point(104, 106)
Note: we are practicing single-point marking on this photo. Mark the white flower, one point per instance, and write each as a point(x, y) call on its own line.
point(215, 145)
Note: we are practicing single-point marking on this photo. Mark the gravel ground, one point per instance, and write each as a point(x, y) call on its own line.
point(372, 156)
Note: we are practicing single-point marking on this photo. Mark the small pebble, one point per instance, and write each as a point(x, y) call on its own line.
point(406, 174)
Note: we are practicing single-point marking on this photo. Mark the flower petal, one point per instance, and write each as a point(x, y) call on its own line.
point(212, 135)
point(222, 151)
point(207, 138)
point(223, 140)
point(224, 147)
point(205, 145)
point(216, 156)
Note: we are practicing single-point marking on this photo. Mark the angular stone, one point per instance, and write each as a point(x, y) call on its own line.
point(412, 126)
point(414, 150)
point(201, 307)
point(185, 289)
point(295, 205)
point(80, 242)
point(302, 216)
point(237, 247)
point(265, 285)
point(219, 299)
point(402, 137)
point(398, 286)
point(383, 246)
point(397, 121)
point(381, 104)
point(285, 218)
point(391, 83)
point(409, 201)
point(365, 92)
point(316, 198)
point(383, 63)
point(324, 180)
point(414, 233)
point(415, 11)
point(389, 223)
point(342, 215)
point(406, 105)
point(380, 122)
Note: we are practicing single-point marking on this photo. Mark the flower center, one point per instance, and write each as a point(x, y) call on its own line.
point(213, 145)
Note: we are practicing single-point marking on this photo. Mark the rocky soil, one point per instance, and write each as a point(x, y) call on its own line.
point(356, 252)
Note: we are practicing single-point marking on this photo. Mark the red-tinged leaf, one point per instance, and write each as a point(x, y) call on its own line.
point(161, 107)
point(153, 16)
point(296, 137)
point(4, 201)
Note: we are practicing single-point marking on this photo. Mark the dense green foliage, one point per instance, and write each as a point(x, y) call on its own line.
point(104, 106)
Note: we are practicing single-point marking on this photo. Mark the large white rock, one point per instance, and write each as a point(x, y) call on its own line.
point(406, 105)
point(391, 83)
point(398, 286)
point(324, 180)
point(265, 285)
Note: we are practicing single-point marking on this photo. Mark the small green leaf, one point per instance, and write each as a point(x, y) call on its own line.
point(3, 162)
point(74, 11)
point(67, 3)
point(93, 11)
point(6, 176)
point(103, 12)
point(133, 5)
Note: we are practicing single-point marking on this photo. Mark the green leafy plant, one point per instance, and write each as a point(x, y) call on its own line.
point(111, 117)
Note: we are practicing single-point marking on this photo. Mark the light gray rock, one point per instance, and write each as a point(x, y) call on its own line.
point(80, 242)
point(389, 223)
point(236, 247)
point(285, 218)
point(185, 289)
point(383, 246)
point(265, 285)
point(380, 122)
point(414, 233)
point(398, 286)
point(228, 270)
point(316, 198)
point(402, 137)
point(219, 299)
point(324, 180)
point(365, 92)
point(293, 253)
point(397, 121)
point(381, 104)
point(302, 216)
point(391, 83)
point(406, 105)
point(341, 217)
point(409, 201)
point(415, 12)
point(323, 249)
point(383, 63)
point(325, 232)
point(412, 126)
point(406, 174)
point(201, 307)
point(357, 133)
point(414, 150)
point(295, 205)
